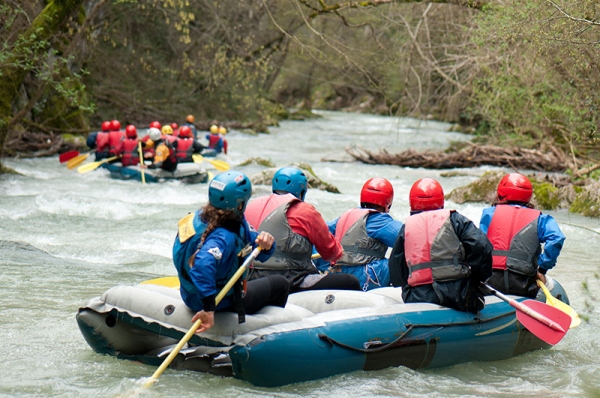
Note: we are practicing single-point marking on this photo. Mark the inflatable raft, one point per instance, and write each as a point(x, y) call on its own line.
point(318, 334)
point(191, 173)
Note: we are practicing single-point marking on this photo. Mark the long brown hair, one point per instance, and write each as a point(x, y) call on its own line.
point(215, 217)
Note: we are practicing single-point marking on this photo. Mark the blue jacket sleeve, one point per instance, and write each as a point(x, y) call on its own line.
point(383, 227)
point(332, 225)
point(486, 219)
point(552, 238)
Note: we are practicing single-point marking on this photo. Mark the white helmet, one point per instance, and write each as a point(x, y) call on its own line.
point(154, 134)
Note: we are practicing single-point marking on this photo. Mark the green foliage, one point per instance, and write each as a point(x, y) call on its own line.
point(546, 195)
point(535, 82)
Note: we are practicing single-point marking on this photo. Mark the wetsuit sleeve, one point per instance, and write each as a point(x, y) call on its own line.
point(197, 147)
point(551, 236)
point(477, 246)
point(397, 262)
point(332, 225)
point(305, 220)
point(486, 219)
point(383, 227)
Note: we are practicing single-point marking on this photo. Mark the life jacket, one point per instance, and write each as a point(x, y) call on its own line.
point(164, 153)
point(102, 145)
point(513, 233)
point(215, 142)
point(293, 251)
point(170, 138)
point(432, 249)
point(131, 155)
point(115, 143)
point(185, 149)
point(188, 242)
point(351, 232)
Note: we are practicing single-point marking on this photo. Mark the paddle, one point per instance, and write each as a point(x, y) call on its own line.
point(545, 322)
point(218, 164)
point(63, 157)
point(141, 155)
point(77, 160)
point(196, 324)
point(86, 168)
point(556, 303)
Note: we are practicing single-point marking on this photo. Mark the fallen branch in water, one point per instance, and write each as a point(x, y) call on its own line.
point(473, 155)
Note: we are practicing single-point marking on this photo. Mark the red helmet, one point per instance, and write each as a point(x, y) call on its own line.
point(106, 125)
point(174, 126)
point(115, 125)
point(185, 132)
point(514, 187)
point(130, 131)
point(378, 191)
point(426, 194)
point(156, 125)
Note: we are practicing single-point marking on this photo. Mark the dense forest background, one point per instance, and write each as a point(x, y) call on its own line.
point(512, 72)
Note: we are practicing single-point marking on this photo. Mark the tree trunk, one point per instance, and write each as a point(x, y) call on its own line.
point(43, 28)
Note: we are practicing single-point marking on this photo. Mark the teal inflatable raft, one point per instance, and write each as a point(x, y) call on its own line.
point(318, 334)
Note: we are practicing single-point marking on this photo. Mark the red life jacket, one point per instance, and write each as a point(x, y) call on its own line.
point(213, 141)
point(351, 232)
point(115, 143)
point(514, 234)
point(170, 138)
point(131, 155)
point(185, 149)
point(102, 144)
point(432, 249)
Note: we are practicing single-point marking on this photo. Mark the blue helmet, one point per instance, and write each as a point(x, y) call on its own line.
point(291, 180)
point(228, 190)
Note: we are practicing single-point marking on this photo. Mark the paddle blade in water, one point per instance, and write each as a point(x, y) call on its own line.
point(540, 329)
point(63, 157)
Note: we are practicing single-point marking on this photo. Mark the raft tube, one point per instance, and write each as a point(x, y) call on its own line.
point(191, 173)
point(318, 334)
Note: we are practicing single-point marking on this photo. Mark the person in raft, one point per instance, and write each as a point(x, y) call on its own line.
point(440, 256)
point(165, 156)
point(99, 141)
point(187, 146)
point(517, 232)
point(296, 226)
point(215, 142)
point(210, 246)
point(365, 234)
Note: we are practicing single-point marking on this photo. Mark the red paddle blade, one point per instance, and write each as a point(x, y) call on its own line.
point(540, 329)
point(67, 156)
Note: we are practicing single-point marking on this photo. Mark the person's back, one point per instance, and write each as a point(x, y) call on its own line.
point(187, 145)
point(209, 247)
point(296, 226)
point(189, 122)
point(164, 153)
point(440, 257)
point(365, 234)
point(131, 149)
point(516, 231)
point(115, 139)
point(99, 141)
point(215, 142)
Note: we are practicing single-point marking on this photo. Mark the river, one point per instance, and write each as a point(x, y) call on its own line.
point(67, 237)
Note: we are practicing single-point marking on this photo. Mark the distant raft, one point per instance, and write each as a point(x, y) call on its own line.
point(318, 334)
point(191, 173)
